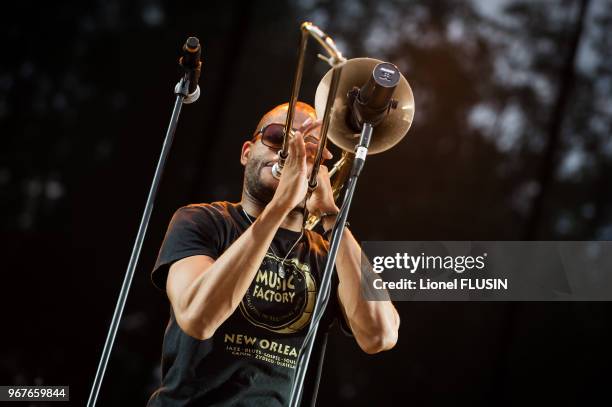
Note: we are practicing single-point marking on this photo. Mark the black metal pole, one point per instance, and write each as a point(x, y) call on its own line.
point(181, 91)
point(324, 290)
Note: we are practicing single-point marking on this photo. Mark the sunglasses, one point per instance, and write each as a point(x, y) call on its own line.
point(272, 136)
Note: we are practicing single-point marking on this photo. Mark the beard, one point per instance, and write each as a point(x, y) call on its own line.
point(254, 186)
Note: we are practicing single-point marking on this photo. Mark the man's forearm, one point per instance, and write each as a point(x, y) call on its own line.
point(216, 293)
point(374, 323)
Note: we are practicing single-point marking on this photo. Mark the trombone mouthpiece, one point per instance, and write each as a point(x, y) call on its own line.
point(277, 170)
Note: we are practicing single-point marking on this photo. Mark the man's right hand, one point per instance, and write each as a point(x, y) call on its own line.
point(293, 183)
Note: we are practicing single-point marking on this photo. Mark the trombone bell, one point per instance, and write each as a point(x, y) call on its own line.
point(356, 72)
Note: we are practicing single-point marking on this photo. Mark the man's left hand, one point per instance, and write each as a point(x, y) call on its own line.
point(322, 199)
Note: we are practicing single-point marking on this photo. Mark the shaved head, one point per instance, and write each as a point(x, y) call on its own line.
point(302, 112)
point(258, 159)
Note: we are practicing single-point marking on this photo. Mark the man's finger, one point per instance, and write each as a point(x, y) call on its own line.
point(292, 151)
point(327, 155)
point(309, 125)
point(305, 124)
point(323, 171)
point(299, 146)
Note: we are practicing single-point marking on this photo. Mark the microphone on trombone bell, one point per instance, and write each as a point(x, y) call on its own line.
point(190, 61)
point(368, 106)
point(373, 101)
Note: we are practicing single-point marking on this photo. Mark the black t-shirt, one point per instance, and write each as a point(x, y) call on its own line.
point(251, 358)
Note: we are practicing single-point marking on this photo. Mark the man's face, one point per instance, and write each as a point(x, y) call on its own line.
point(258, 158)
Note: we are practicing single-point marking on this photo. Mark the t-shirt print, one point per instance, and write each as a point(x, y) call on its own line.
point(279, 305)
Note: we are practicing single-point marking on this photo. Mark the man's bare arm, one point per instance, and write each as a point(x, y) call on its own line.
point(374, 324)
point(204, 292)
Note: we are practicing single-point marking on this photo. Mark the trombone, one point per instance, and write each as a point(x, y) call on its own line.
point(349, 84)
point(332, 103)
point(336, 61)
point(397, 119)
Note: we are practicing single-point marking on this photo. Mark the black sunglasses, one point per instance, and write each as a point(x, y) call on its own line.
point(272, 136)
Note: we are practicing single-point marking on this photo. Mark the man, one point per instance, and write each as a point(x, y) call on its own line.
point(242, 280)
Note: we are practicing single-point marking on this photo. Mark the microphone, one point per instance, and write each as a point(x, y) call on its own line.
point(372, 102)
point(190, 62)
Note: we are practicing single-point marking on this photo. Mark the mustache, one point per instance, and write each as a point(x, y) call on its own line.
point(264, 164)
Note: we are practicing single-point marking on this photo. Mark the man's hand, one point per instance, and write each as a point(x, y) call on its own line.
point(293, 183)
point(322, 199)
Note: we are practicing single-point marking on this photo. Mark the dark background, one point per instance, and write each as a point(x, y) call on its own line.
point(511, 141)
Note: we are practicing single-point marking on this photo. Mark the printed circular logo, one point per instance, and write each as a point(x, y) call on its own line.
point(282, 305)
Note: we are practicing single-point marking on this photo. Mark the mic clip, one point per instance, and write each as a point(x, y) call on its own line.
point(182, 88)
point(358, 110)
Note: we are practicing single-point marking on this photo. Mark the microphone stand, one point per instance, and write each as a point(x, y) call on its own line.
point(182, 97)
point(361, 151)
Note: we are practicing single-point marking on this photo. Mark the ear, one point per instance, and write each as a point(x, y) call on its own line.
point(246, 152)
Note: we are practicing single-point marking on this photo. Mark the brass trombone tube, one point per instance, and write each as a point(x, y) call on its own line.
point(295, 92)
point(312, 183)
point(336, 60)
